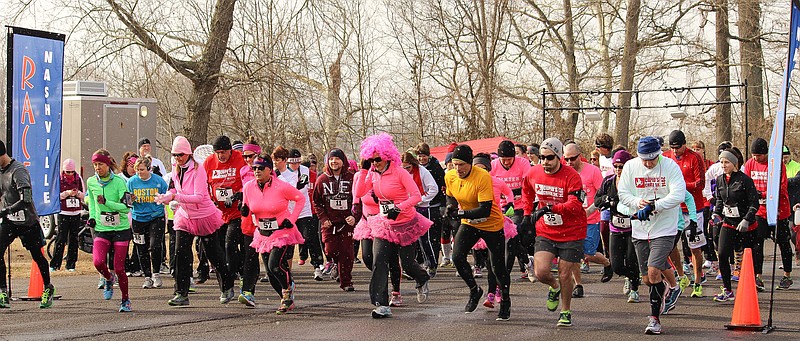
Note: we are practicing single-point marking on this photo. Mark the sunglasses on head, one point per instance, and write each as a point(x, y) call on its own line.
point(548, 157)
point(259, 168)
point(597, 145)
point(377, 159)
point(619, 166)
point(178, 155)
point(406, 167)
point(248, 156)
point(571, 159)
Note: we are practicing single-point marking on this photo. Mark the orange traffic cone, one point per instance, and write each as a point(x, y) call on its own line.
point(35, 284)
point(746, 315)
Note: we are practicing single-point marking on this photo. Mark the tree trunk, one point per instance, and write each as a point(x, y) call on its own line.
point(333, 106)
point(608, 71)
point(723, 111)
point(752, 67)
point(628, 70)
point(572, 70)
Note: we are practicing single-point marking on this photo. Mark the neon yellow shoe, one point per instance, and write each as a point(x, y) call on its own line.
point(697, 292)
point(683, 282)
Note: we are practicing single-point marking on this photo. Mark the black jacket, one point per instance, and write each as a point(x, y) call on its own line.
point(607, 196)
point(437, 172)
point(740, 192)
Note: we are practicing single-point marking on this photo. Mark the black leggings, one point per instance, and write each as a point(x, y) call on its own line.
point(309, 228)
point(426, 255)
point(384, 253)
point(394, 266)
point(623, 257)
point(183, 260)
point(466, 237)
point(731, 240)
point(782, 238)
point(147, 239)
point(280, 275)
point(709, 250)
point(68, 227)
point(250, 275)
point(517, 247)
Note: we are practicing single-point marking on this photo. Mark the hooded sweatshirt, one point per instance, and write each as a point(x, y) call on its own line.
point(333, 197)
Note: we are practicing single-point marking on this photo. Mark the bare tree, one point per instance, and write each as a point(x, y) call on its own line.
point(752, 60)
point(628, 70)
point(723, 74)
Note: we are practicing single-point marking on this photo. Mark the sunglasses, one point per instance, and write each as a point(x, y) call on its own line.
point(69, 172)
point(377, 159)
point(619, 166)
point(178, 155)
point(248, 156)
point(548, 157)
point(259, 168)
point(593, 159)
point(406, 167)
point(571, 159)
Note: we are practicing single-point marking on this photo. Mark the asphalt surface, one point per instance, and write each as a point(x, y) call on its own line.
point(325, 312)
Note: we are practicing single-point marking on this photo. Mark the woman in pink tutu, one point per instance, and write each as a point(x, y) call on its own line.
point(196, 215)
point(266, 202)
point(397, 225)
point(363, 235)
point(484, 161)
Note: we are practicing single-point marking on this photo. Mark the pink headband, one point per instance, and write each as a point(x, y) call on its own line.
point(251, 148)
point(101, 158)
point(132, 160)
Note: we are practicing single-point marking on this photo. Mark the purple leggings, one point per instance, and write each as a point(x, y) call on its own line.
point(101, 247)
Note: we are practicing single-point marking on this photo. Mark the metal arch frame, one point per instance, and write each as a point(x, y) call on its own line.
point(635, 95)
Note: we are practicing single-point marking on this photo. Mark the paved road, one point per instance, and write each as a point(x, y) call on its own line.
point(324, 312)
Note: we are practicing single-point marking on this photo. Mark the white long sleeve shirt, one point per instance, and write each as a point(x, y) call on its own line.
point(663, 182)
point(429, 186)
point(712, 173)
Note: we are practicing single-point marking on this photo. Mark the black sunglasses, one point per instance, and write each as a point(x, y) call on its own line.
point(548, 157)
point(259, 168)
point(601, 146)
point(178, 155)
point(572, 159)
point(248, 156)
point(619, 166)
point(377, 159)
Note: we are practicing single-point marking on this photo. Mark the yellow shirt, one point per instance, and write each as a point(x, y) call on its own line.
point(476, 188)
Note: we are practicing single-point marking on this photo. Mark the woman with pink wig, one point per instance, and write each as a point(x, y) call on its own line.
point(196, 215)
point(398, 225)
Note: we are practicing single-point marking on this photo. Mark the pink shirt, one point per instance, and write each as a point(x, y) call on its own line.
point(368, 205)
point(592, 180)
point(512, 177)
point(395, 185)
point(273, 201)
point(192, 192)
point(500, 187)
point(246, 173)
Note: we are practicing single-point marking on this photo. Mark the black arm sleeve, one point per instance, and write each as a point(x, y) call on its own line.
point(451, 202)
point(483, 210)
point(25, 198)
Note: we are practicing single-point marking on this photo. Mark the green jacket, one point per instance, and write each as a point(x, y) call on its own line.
point(113, 215)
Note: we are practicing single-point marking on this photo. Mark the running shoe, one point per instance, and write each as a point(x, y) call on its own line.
point(396, 300)
point(759, 284)
point(524, 275)
point(683, 282)
point(265, 279)
point(735, 275)
point(725, 295)
point(287, 302)
point(328, 267)
point(101, 283)
point(349, 288)
point(4, 302)
point(554, 267)
point(125, 306)
point(108, 290)
point(192, 286)
point(608, 274)
point(422, 292)
point(497, 295)
point(179, 300)
point(707, 264)
point(633, 297)
point(431, 271)
point(703, 279)
point(247, 299)
point(671, 300)
point(226, 296)
point(317, 275)
point(47, 296)
point(446, 263)
point(52, 269)
point(585, 267)
point(335, 273)
point(553, 295)
point(687, 268)
point(148, 283)
point(381, 312)
point(157, 283)
point(489, 302)
point(505, 311)
point(474, 297)
point(719, 276)
point(529, 270)
point(697, 291)
point(785, 283)
point(201, 279)
point(303, 262)
point(626, 288)
point(578, 291)
point(164, 270)
point(654, 327)
point(565, 319)
point(355, 261)
point(477, 272)
point(70, 269)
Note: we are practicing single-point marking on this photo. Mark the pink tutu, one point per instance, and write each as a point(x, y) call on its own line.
point(362, 230)
point(480, 245)
point(403, 234)
point(279, 238)
point(199, 226)
point(509, 231)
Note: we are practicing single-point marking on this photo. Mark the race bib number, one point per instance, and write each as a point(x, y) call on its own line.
point(338, 204)
point(138, 238)
point(267, 224)
point(621, 222)
point(73, 203)
point(223, 194)
point(762, 201)
point(730, 211)
point(17, 216)
point(552, 219)
point(698, 242)
point(386, 206)
point(109, 218)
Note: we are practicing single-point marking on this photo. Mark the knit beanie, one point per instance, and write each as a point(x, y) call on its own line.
point(759, 146)
point(506, 149)
point(222, 143)
point(463, 152)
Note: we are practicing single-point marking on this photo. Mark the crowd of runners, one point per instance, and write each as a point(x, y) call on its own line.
point(669, 215)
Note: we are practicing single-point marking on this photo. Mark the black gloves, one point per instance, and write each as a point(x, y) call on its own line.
point(236, 196)
point(366, 164)
point(692, 229)
point(4, 212)
point(243, 209)
point(452, 211)
point(285, 224)
point(526, 224)
point(393, 213)
point(91, 223)
point(302, 181)
point(540, 213)
point(605, 202)
point(157, 171)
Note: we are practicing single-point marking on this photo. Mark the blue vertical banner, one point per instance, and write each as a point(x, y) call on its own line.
point(35, 96)
point(778, 130)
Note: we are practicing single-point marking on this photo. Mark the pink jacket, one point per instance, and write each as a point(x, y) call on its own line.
point(395, 184)
point(246, 173)
point(273, 201)
point(500, 187)
point(368, 205)
point(192, 192)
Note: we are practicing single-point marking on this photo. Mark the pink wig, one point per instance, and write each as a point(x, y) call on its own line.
point(353, 165)
point(381, 144)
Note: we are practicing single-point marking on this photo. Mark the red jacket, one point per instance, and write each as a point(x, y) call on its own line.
point(225, 179)
point(693, 168)
point(560, 190)
point(759, 173)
